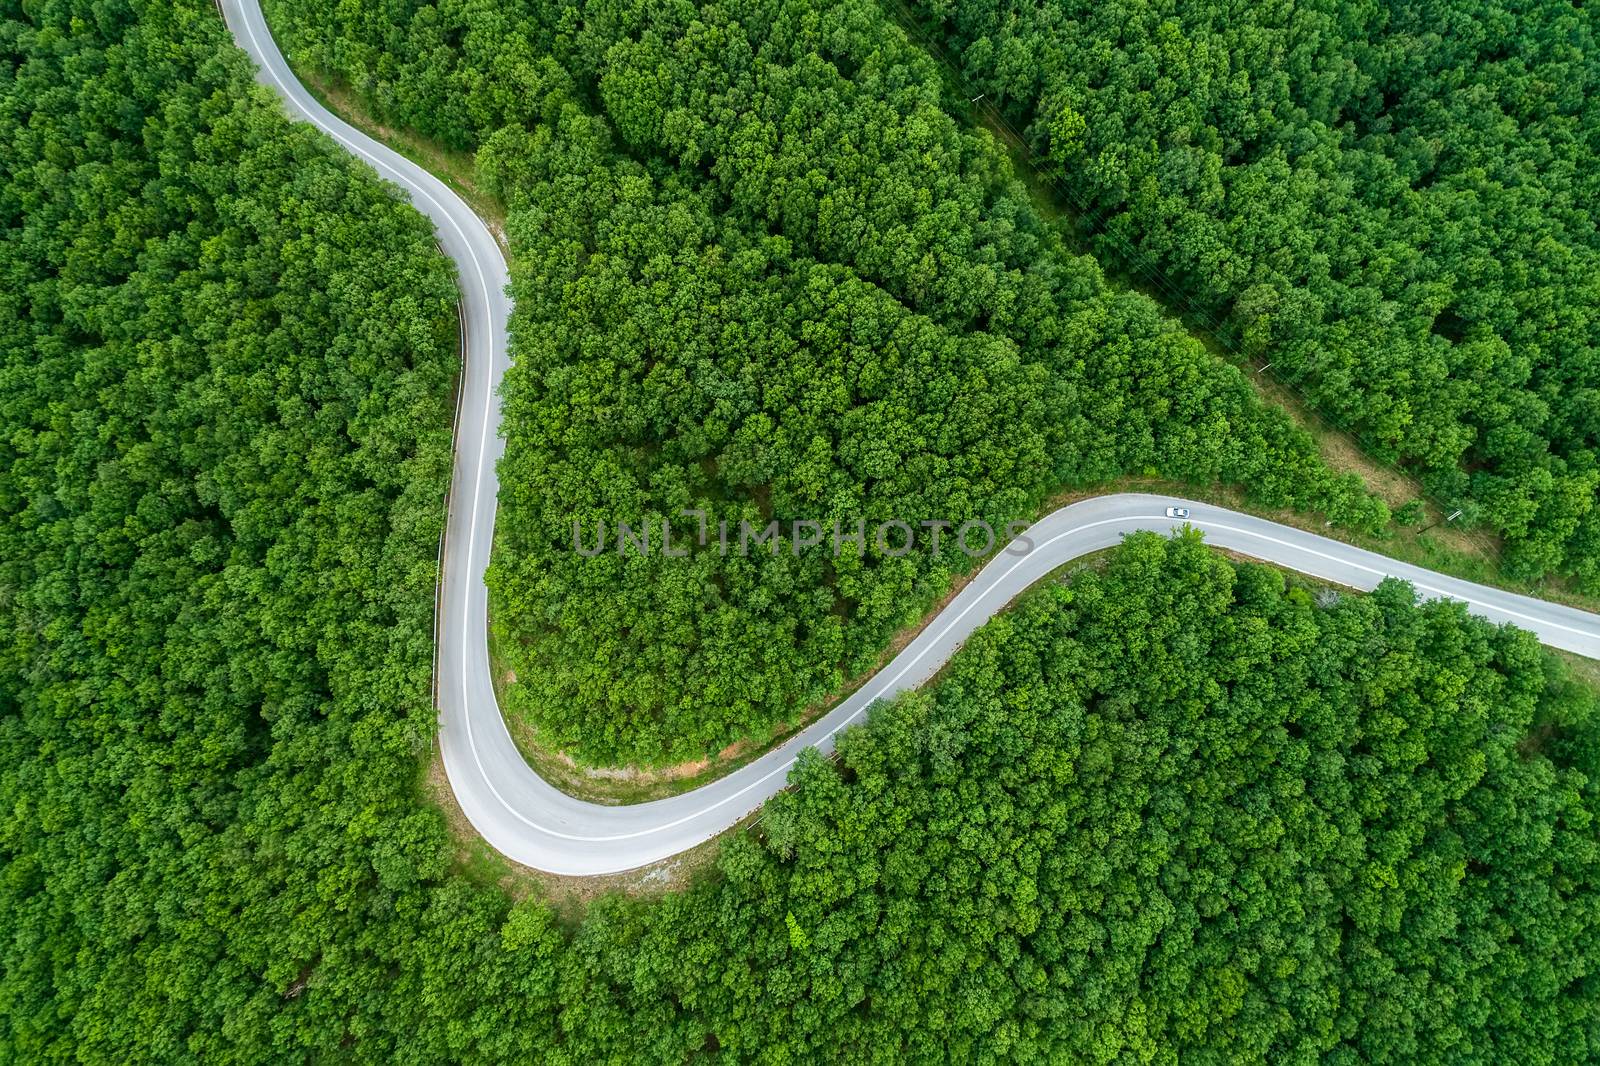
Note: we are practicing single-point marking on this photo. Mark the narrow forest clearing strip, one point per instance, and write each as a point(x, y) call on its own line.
point(1339, 449)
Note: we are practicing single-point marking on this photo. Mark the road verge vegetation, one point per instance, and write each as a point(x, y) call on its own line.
point(842, 307)
point(1389, 207)
point(1172, 806)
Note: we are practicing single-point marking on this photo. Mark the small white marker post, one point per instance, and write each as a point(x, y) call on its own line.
point(1451, 517)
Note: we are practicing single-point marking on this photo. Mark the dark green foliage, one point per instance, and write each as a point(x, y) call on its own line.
point(1171, 810)
point(226, 355)
point(1393, 202)
point(760, 273)
point(1177, 813)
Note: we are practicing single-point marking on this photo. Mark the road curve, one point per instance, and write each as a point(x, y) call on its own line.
point(536, 824)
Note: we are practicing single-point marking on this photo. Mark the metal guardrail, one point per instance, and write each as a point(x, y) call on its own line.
point(455, 426)
point(449, 490)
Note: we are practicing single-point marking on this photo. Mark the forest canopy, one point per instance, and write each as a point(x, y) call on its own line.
point(1392, 203)
point(1172, 808)
point(226, 361)
point(759, 273)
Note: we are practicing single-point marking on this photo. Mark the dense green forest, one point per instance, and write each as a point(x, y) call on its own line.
point(226, 362)
point(758, 272)
point(1392, 202)
point(1172, 809)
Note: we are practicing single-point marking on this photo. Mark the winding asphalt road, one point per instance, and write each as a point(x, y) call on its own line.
point(534, 823)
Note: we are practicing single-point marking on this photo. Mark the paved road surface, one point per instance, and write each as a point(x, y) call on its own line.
point(536, 824)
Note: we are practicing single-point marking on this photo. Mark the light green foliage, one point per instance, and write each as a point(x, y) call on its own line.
point(1394, 203)
point(226, 355)
point(1169, 811)
point(759, 272)
point(797, 936)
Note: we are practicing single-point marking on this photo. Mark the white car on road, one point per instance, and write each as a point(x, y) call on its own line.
point(530, 820)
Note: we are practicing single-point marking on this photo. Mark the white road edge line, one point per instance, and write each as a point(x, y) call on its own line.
point(522, 825)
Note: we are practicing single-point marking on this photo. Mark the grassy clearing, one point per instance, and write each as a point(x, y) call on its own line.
point(569, 897)
point(456, 169)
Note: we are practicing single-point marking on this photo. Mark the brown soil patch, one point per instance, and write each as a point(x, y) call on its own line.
point(568, 896)
point(457, 169)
